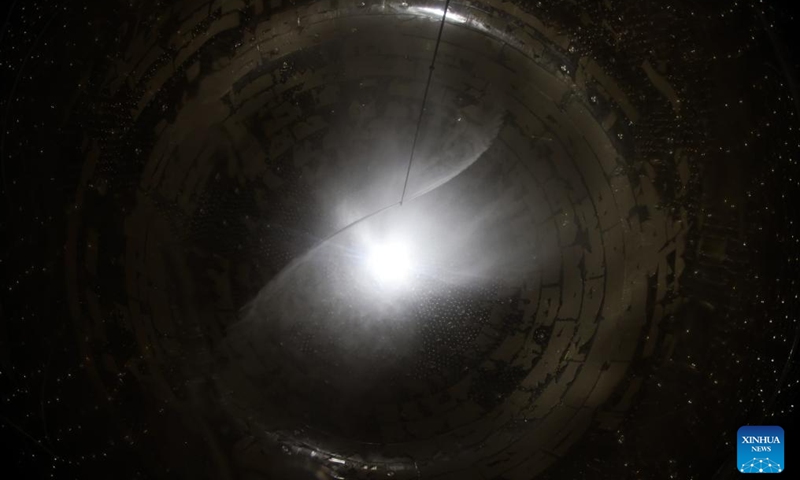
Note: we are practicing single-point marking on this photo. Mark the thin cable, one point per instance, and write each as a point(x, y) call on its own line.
point(413, 147)
point(424, 100)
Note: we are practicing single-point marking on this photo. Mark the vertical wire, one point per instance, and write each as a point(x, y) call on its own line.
point(413, 146)
point(424, 100)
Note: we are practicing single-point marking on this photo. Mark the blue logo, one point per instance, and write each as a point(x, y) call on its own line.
point(760, 449)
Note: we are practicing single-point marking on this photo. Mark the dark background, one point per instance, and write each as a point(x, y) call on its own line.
point(55, 424)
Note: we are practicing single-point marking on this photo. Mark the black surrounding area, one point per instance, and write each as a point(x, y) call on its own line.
point(601, 215)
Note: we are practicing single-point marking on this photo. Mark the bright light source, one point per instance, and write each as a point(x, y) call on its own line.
point(389, 263)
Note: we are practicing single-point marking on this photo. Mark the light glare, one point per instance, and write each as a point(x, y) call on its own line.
point(389, 263)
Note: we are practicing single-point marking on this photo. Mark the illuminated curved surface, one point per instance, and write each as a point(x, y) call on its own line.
point(235, 253)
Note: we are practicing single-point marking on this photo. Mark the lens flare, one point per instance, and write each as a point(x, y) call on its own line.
point(390, 263)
